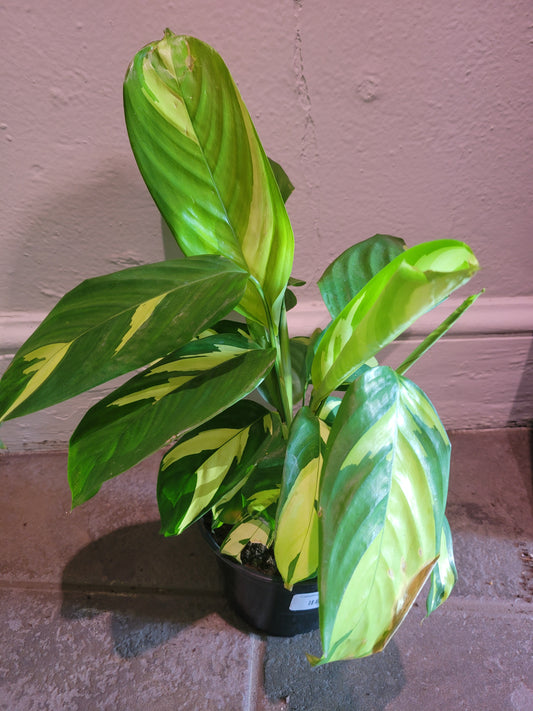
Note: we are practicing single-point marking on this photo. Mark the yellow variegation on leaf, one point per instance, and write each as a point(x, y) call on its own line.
point(253, 530)
point(209, 465)
point(296, 544)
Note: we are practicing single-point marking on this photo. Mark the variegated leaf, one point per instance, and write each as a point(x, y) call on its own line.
point(262, 488)
point(261, 501)
point(259, 492)
point(329, 409)
point(256, 501)
point(211, 464)
point(370, 363)
point(228, 512)
point(444, 575)
point(409, 286)
point(110, 325)
point(296, 544)
point(381, 511)
point(174, 396)
point(204, 165)
point(253, 529)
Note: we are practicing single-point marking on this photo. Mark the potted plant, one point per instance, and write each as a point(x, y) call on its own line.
point(339, 466)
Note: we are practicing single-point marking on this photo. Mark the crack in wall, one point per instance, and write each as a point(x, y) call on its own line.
point(308, 154)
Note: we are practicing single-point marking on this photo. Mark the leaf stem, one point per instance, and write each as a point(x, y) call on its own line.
point(285, 371)
point(279, 339)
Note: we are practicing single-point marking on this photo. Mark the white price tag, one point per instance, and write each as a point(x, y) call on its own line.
point(304, 601)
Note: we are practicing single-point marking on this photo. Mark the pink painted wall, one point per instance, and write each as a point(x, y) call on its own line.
point(410, 118)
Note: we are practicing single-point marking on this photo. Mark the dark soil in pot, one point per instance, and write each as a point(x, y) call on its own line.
point(256, 592)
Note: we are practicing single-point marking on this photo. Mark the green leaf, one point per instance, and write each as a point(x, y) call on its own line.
point(296, 544)
point(290, 300)
point(437, 334)
point(293, 281)
point(252, 508)
point(282, 179)
point(298, 349)
point(444, 575)
point(204, 165)
point(371, 363)
point(346, 276)
point(211, 464)
point(391, 301)
point(253, 529)
point(174, 396)
point(381, 510)
point(269, 470)
point(228, 512)
point(329, 409)
point(110, 325)
point(299, 346)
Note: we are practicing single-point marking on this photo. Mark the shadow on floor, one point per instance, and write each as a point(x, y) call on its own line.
point(522, 411)
point(153, 587)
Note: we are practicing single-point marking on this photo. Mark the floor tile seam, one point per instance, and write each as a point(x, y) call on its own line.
point(493, 430)
point(110, 590)
point(479, 604)
point(488, 607)
point(254, 663)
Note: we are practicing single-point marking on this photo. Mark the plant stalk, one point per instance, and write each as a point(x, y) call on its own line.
point(285, 370)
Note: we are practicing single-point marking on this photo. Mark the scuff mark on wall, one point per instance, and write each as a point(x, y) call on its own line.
point(125, 260)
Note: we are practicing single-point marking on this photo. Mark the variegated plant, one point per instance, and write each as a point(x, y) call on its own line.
point(342, 466)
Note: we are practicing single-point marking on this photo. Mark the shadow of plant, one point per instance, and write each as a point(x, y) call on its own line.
point(152, 587)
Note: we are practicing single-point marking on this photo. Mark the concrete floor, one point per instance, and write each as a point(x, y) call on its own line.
point(99, 612)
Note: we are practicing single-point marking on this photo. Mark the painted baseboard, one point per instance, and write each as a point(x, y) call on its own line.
point(480, 375)
point(503, 316)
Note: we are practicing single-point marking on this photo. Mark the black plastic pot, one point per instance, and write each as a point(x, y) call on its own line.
point(262, 601)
